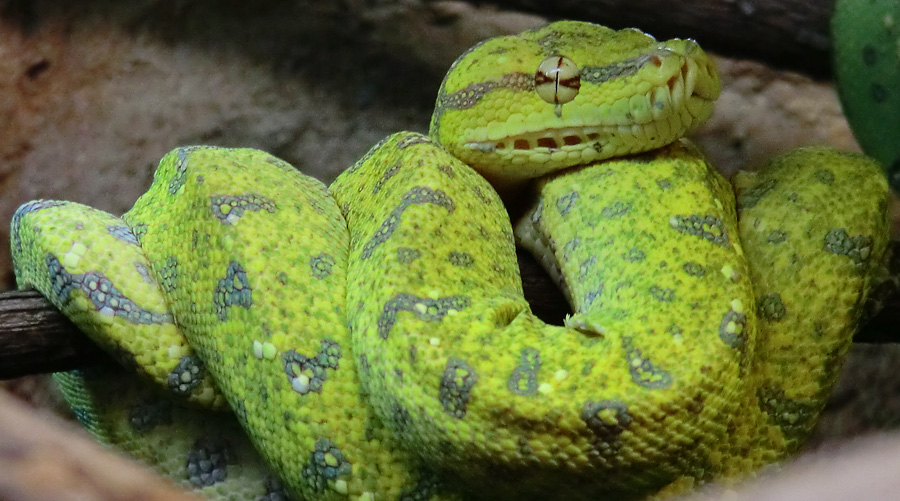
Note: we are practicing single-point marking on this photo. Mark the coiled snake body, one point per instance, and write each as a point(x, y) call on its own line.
point(372, 337)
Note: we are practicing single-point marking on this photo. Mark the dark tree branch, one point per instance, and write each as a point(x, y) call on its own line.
point(36, 338)
point(789, 34)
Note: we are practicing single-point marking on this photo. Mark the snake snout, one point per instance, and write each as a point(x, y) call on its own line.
point(695, 84)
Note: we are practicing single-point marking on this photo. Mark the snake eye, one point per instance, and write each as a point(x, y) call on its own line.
point(557, 80)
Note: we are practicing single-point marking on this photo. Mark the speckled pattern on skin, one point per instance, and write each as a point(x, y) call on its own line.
point(378, 346)
point(864, 46)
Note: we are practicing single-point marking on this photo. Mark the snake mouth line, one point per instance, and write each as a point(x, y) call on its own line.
point(681, 102)
point(552, 139)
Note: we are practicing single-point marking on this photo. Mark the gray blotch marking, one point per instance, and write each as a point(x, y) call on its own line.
point(237, 205)
point(22, 211)
point(771, 307)
point(186, 376)
point(606, 430)
point(233, 290)
point(122, 233)
point(565, 203)
point(524, 378)
point(427, 309)
point(738, 338)
point(644, 372)
point(168, 274)
point(207, 462)
point(326, 463)
point(456, 386)
point(407, 255)
point(750, 197)
point(858, 248)
point(707, 227)
point(307, 374)
point(418, 195)
point(150, 413)
point(103, 294)
point(461, 259)
point(321, 265)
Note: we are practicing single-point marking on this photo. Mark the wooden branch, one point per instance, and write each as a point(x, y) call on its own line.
point(36, 338)
point(789, 34)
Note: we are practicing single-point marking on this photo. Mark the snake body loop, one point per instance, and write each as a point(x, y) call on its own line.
point(372, 338)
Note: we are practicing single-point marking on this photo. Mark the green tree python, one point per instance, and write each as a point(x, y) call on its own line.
point(372, 338)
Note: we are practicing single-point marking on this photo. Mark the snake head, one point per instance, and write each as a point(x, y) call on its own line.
point(518, 107)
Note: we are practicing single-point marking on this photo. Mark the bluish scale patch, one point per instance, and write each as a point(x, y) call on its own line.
point(708, 227)
point(406, 255)
point(858, 248)
point(426, 487)
point(207, 462)
point(22, 211)
point(749, 197)
point(122, 233)
point(388, 173)
point(139, 230)
point(233, 290)
point(144, 272)
point(326, 463)
point(607, 429)
point(168, 274)
point(418, 195)
point(181, 161)
point(428, 309)
point(617, 209)
point(456, 387)
point(150, 413)
point(771, 307)
point(524, 378)
point(570, 247)
point(321, 265)
point(731, 329)
point(229, 208)
point(411, 140)
point(644, 372)
point(461, 259)
point(187, 375)
point(106, 298)
point(585, 267)
point(565, 203)
point(274, 490)
point(307, 374)
point(592, 295)
point(662, 294)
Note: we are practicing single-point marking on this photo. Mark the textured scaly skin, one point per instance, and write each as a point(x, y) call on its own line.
point(376, 345)
point(866, 58)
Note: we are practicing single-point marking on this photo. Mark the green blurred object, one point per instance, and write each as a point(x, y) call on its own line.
point(866, 39)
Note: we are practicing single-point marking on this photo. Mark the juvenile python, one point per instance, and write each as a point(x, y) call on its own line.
point(372, 337)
